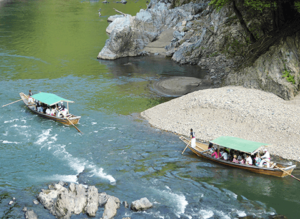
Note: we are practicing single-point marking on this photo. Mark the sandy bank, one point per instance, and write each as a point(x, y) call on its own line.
point(233, 111)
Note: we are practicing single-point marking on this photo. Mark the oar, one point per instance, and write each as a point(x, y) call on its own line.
point(285, 171)
point(186, 147)
point(71, 122)
point(11, 103)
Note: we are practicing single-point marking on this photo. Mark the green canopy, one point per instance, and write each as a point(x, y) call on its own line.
point(50, 99)
point(238, 144)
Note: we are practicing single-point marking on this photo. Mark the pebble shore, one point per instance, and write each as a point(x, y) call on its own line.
point(233, 111)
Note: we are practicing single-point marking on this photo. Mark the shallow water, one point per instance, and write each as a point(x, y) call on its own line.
point(51, 46)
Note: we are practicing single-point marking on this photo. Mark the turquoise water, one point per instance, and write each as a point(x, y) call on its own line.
point(51, 46)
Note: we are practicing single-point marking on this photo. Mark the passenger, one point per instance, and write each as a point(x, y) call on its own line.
point(224, 155)
point(257, 159)
point(216, 154)
point(39, 108)
point(30, 93)
point(265, 158)
point(242, 161)
point(48, 111)
point(239, 156)
point(52, 112)
point(249, 160)
point(211, 148)
point(30, 100)
point(234, 159)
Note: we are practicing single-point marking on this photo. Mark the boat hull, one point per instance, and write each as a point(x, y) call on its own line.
point(200, 148)
point(72, 119)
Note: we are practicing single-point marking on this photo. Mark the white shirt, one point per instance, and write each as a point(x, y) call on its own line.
point(48, 111)
point(266, 155)
point(249, 160)
point(225, 156)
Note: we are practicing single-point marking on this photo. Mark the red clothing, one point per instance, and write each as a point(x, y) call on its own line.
point(216, 155)
point(235, 160)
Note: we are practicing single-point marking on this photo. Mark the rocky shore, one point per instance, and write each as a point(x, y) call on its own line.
point(63, 201)
point(233, 111)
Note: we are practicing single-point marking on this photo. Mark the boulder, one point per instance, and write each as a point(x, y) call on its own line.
point(111, 206)
point(92, 201)
point(30, 214)
point(114, 17)
point(140, 205)
point(103, 197)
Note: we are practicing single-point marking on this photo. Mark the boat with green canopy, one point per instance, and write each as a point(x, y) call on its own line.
point(241, 146)
point(50, 101)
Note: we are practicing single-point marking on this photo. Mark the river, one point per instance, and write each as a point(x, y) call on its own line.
point(51, 46)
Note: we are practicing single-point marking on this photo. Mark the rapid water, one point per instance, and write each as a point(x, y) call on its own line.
point(51, 46)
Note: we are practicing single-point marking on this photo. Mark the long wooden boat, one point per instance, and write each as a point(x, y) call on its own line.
point(201, 150)
point(50, 100)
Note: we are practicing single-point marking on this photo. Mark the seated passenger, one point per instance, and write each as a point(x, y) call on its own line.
point(249, 160)
point(234, 159)
point(239, 156)
point(30, 100)
point(211, 148)
point(242, 161)
point(216, 154)
point(257, 159)
point(52, 112)
point(224, 155)
point(48, 111)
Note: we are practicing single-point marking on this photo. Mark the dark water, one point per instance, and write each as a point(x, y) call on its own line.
point(51, 46)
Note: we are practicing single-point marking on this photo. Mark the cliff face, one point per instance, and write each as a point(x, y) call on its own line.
point(213, 39)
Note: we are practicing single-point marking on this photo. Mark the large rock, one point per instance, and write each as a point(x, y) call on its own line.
point(111, 206)
point(140, 205)
point(30, 214)
point(103, 197)
point(92, 201)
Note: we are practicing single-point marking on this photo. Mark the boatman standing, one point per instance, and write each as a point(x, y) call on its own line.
point(193, 139)
point(265, 158)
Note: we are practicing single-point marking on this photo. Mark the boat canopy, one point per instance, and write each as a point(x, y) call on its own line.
point(250, 147)
point(49, 99)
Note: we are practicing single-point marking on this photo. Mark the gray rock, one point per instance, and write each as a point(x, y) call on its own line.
point(36, 202)
point(30, 214)
point(103, 197)
point(141, 204)
point(24, 209)
point(111, 206)
point(92, 201)
point(11, 202)
point(123, 1)
point(114, 17)
point(125, 203)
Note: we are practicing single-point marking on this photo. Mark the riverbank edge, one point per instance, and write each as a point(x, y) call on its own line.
point(161, 116)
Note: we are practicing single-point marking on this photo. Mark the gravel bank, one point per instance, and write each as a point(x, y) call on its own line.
point(233, 111)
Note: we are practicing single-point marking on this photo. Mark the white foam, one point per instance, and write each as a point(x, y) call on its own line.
point(23, 120)
point(241, 213)
point(64, 178)
point(99, 172)
point(94, 123)
point(20, 126)
point(10, 121)
point(6, 133)
point(177, 200)
point(9, 142)
point(43, 137)
point(206, 214)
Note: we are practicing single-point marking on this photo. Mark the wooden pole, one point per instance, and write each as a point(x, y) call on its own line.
point(120, 12)
point(186, 147)
point(284, 171)
point(11, 103)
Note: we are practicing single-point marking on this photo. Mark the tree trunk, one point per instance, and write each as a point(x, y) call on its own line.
point(243, 23)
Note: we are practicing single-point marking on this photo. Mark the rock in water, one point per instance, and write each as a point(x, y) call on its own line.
point(103, 197)
point(30, 214)
point(92, 201)
point(142, 204)
point(111, 206)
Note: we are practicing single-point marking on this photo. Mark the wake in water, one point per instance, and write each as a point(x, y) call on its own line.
point(48, 141)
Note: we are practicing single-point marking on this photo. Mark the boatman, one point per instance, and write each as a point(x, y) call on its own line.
point(265, 158)
point(30, 93)
point(193, 139)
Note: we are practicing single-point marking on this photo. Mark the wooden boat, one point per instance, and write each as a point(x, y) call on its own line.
point(201, 149)
point(50, 100)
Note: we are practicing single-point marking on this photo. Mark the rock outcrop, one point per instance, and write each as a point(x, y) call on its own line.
point(212, 39)
point(63, 201)
point(141, 204)
point(30, 214)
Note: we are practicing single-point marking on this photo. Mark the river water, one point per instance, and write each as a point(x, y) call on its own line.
point(51, 46)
